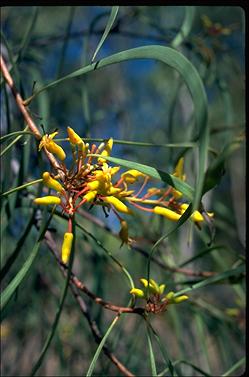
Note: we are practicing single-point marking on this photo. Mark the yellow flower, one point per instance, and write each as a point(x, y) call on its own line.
point(119, 206)
point(75, 138)
point(153, 292)
point(166, 212)
point(48, 143)
point(66, 247)
point(90, 196)
point(106, 151)
point(131, 176)
point(137, 292)
point(170, 297)
point(51, 183)
point(46, 200)
point(179, 174)
point(196, 215)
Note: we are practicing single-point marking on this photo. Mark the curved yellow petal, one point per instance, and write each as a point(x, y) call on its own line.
point(52, 147)
point(137, 292)
point(46, 200)
point(74, 137)
point(51, 183)
point(107, 150)
point(90, 196)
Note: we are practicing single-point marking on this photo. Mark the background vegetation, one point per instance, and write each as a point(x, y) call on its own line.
point(136, 101)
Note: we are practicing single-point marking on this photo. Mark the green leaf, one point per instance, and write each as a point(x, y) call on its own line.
point(17, 249)
point(154, 173)
point(17, 280)
point(234, 367)
point(185, 28)
point(217, 169)
point(151, 353)
point(21, 187)
point(101, 345)
point(107, 30)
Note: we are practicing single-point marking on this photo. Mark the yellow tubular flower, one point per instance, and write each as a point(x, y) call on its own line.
point(94, 185)
point(196, 215)
point(168, 213)
point(107, 150)
point(130, 176)
point(90, 196)
point(51, 183)
point(48, 143)
point(153, 286)
point(119, 206)
point(46, 200)
point(66, 247)
point(137, 292)
point(179, 299)
point(162, 288)
point(73, 137)
point(175, 300)
point(179, 169)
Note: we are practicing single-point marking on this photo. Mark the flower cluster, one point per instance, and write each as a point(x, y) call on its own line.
point(214, 28)
point(91, 180)
point(152, 292)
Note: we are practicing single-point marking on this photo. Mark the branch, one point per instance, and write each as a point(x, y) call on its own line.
point(20, 103)
point(75, 286)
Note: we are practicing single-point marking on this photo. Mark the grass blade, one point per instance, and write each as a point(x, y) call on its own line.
point(234, 367)
point(185, 28)
point(101, 345)
point(151, 353)
point(21, 187)
point(108, 27)
point(17, 280)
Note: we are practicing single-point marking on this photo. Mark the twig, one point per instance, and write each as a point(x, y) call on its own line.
point(19, 101)
point(75, 286)
point(82, 287)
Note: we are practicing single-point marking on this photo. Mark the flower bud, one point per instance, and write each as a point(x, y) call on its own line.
point(90, 196)
point(119, 206)
point(66, 247)
point(123, 233)
point(107, 150)
point(73, 137)
point(168, 213)
point(51, 183)
point(137, 292)
point(46, 200)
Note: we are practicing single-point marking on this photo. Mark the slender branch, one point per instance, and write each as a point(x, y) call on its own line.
point(20, 103)
point(76, 286)
point(82, 287)
point(19, 99)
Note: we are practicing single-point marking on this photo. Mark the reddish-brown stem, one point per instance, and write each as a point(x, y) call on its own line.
point(141, 207)
point(20, 103)
point(142, 187)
